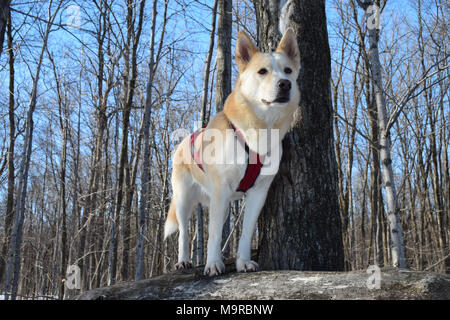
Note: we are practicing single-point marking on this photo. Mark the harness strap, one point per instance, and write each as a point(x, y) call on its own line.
point(254, 160)
point(254, 163)
point(196, 154)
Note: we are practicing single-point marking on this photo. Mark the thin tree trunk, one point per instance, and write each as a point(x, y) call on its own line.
point(76, 208)
point(12, 132)
point(143, 204)
point(375, 189)
point(91, 205)
point(4, 14)
point(131, 187)
point(133, 37)
point(209, 55)
point(204, 121)
point(435, 181)
point(363, 220)
point(393, 214)
point(223, 56)
point(63, 205)
point(63, 122)
point(223, 81)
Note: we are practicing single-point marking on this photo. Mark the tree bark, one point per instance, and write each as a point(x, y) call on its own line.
point(12, 140)
point(143, 208)
point(63, 202)
point(204, 121)
point(130, 57)
point(223, 78)
point(393, 214)
point(300, 227)
point(4, 13)
point(431, 120)
point(91, 204)
point(223, 55)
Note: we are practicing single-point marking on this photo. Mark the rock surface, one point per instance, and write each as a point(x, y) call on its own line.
point(308, 285)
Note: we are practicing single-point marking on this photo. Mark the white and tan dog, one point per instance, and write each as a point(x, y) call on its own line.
point(265, 97)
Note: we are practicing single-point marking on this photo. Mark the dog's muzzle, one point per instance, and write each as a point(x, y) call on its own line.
point(284, 91)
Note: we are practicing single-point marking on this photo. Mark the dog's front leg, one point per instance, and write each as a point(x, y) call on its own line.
point(254, 202)
point(218, 209)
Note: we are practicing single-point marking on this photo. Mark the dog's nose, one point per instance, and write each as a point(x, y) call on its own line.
point(284, 85)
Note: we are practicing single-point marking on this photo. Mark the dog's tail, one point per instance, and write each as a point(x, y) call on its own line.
point(171, 222)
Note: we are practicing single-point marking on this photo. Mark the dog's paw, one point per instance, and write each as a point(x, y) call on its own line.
point(246, 265)
point(183, 265)
point(214, 268)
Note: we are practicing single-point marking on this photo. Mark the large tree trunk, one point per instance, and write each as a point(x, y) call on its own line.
point(300, 227)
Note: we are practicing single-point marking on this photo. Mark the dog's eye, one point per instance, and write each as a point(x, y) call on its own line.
point(287, 70)
point(262, 71)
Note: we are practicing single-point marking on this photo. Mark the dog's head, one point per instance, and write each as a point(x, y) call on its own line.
point(268, 80)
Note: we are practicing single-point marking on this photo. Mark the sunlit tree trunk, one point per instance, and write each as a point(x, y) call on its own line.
point(393, 214)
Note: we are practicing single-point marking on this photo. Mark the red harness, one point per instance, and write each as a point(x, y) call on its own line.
point(254, 160)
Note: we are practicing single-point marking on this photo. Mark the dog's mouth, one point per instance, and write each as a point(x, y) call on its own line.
point(280, 99)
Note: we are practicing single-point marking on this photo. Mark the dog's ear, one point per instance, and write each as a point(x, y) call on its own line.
point(245, 49)
point(288, 45)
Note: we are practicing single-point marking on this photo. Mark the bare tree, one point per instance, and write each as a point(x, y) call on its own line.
point(223, 82)
point(9, 214)
point(143, 204)
point(16, 237)
point(397, 246)
point(64, 128)
point(204, 121)
point(130, 57)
